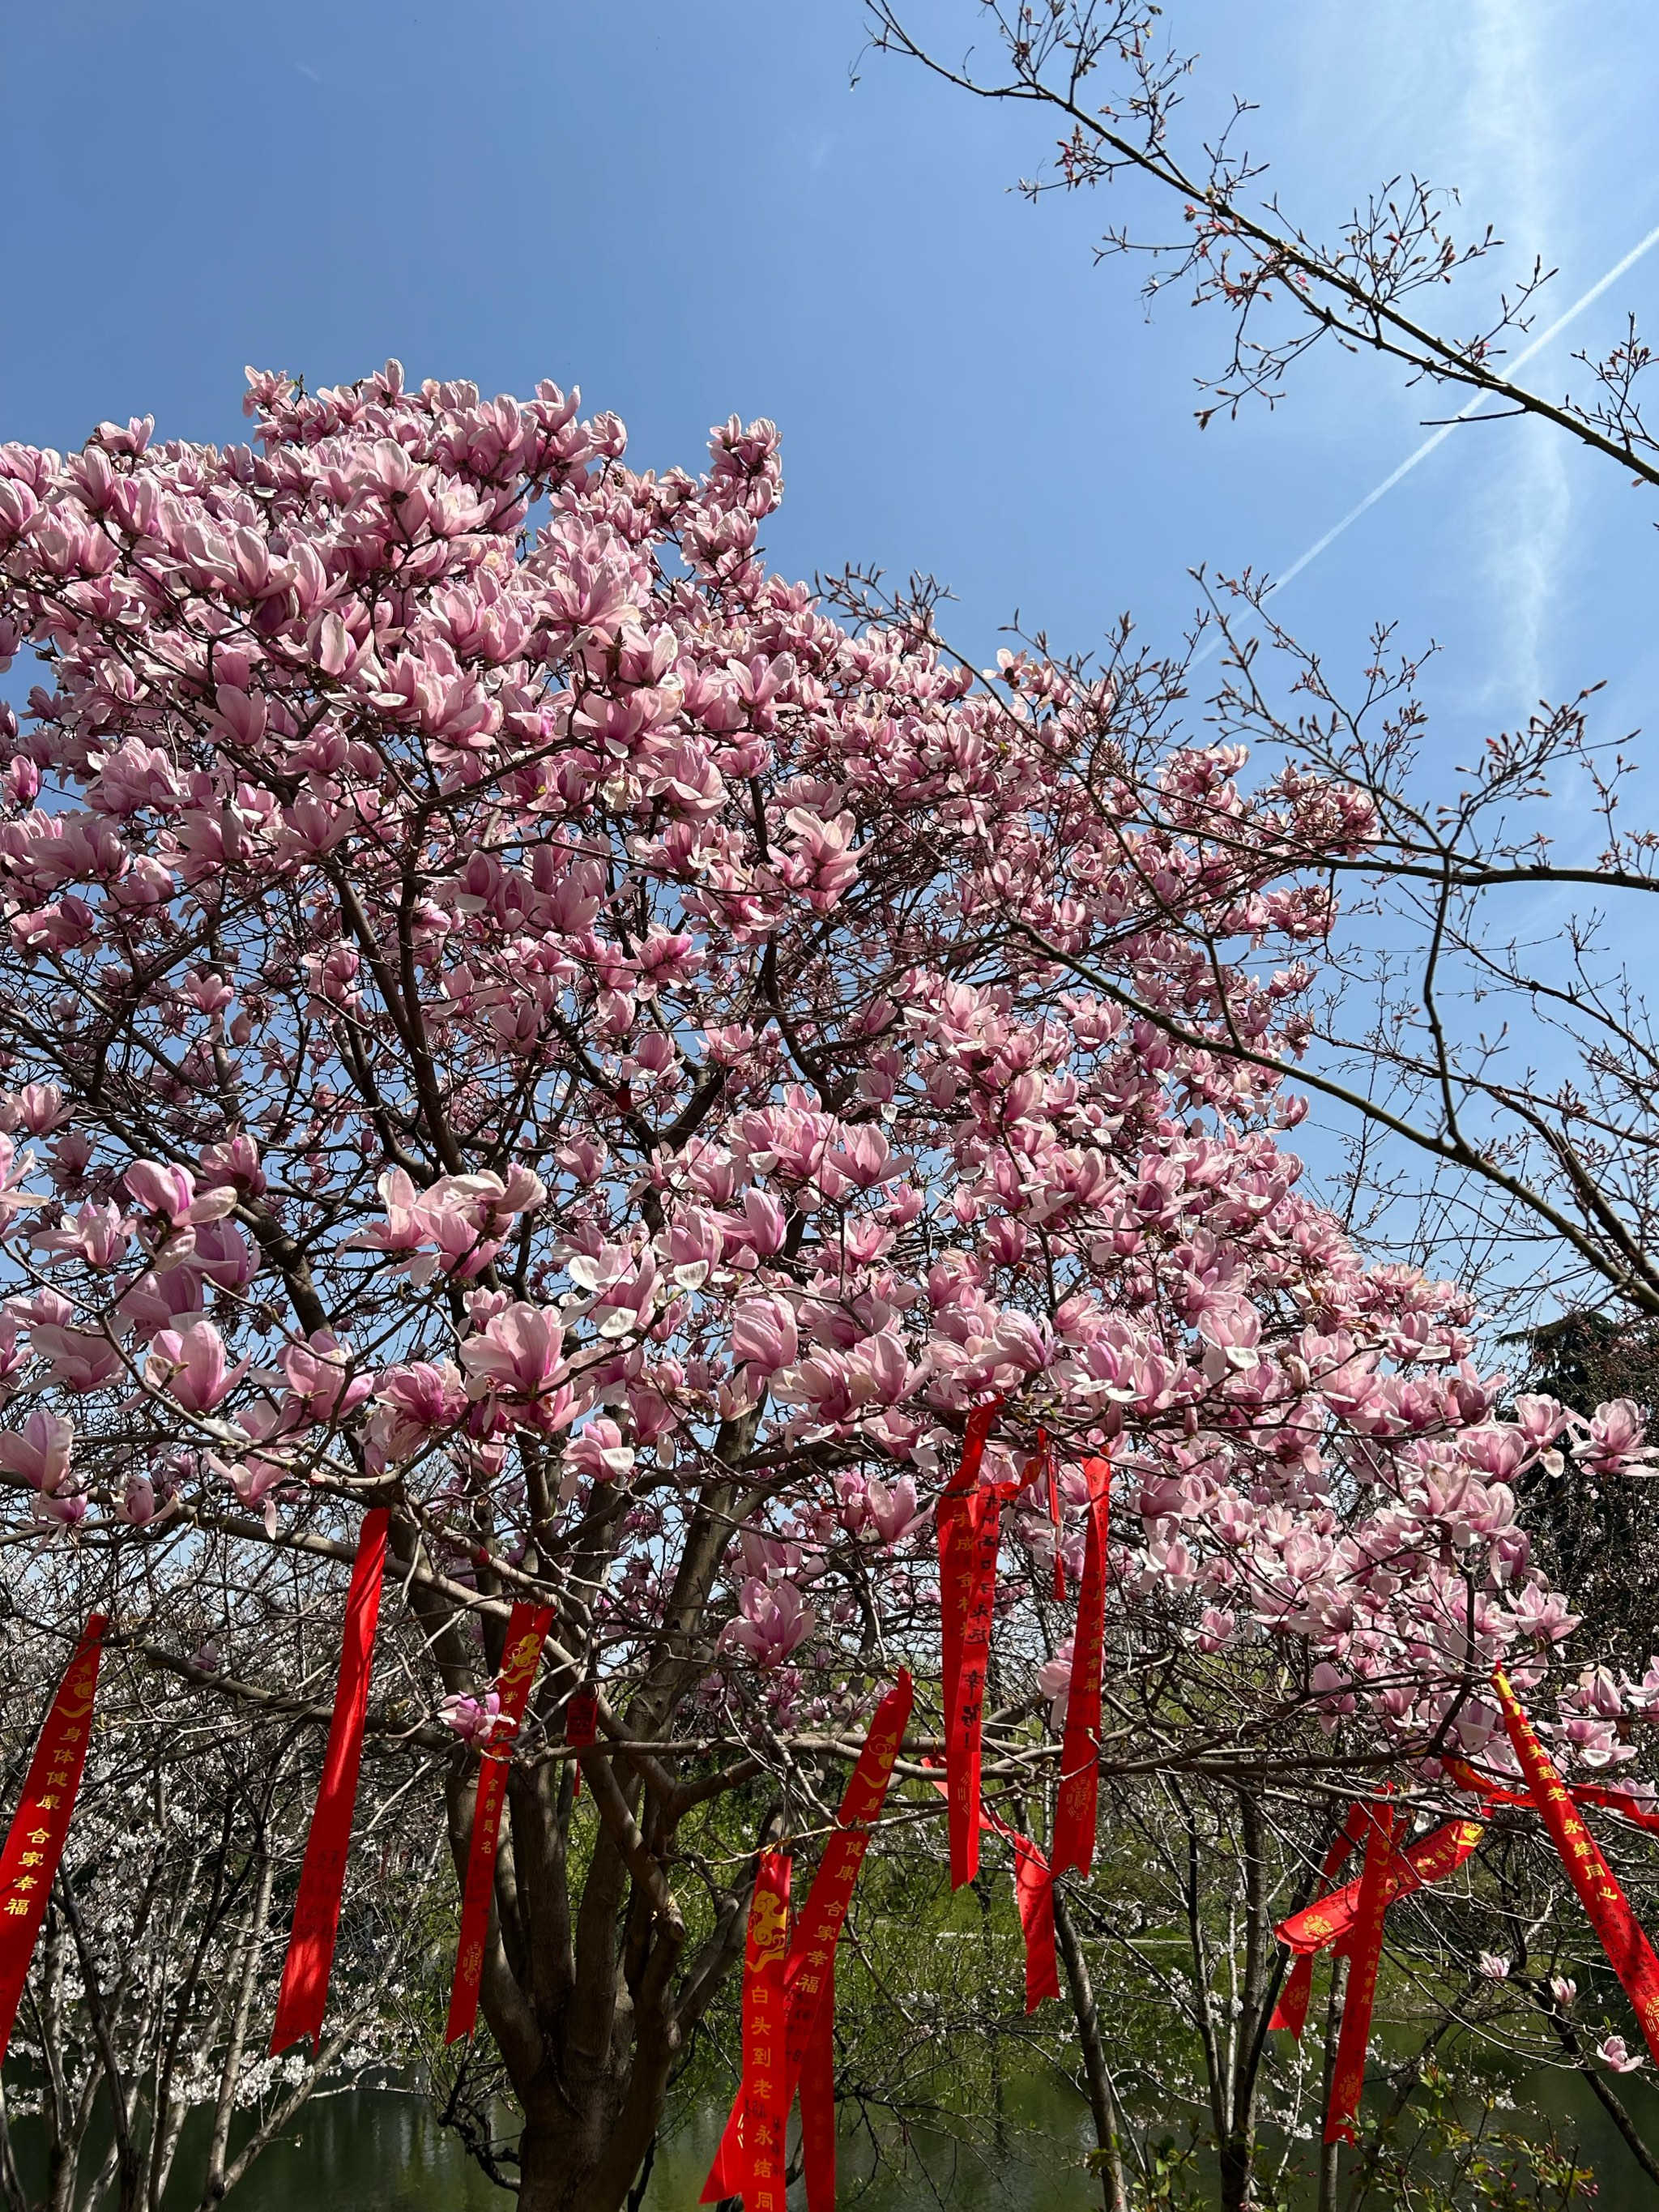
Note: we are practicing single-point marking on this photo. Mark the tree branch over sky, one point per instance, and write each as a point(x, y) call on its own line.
point(1480, 1011)
point(1104, 73)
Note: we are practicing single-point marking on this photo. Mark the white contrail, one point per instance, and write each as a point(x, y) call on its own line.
point(1445, 430)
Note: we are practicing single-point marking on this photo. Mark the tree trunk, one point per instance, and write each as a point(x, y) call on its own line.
point(570, 2164)
point(1330, 2153)
point(1114, 2194)
point(1238, 2147)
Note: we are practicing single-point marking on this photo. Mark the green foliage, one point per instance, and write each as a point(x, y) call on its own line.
point(1442, 2151)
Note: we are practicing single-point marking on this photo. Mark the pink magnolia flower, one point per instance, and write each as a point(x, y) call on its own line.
point(321, 1375)
point(761, 1232)
point(99, 1235)
point(1595, 1741)
point(853, 1500)
point(518, 1359)
point(413, 1405)
point(864, 1157)
point(221, 1255)
point(1054, 1680)
point(235, 1162)
point(160, 1301)
point(1217, 1628)
point(477, 1720)
point(1615, 2051)
point(1492, 1968)
point(255, 1479)
point(695, 1242)
point(449, 1224)
point(1543, 1614)
point(79, 1360)
point(628, 1303)
point(170, 1192)
point(822, 864)
point(1029, 1342)
point(597, 1451)
point(763, 1334)
point(193, 1367)
point(772, 1622)
point(137, 1504)
point(41, 1451)
point(894, 1511)
point(63, 1509)
point(1563, 1990)
point(1614, 1443)
point(41, 1109)
point(462, 1216)
point(403, 1230)
point(772, 1558)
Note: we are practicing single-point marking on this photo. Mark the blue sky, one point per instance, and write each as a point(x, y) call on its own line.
point(689, 210)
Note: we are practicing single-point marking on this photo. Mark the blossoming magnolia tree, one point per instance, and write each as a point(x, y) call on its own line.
point(511, 1017)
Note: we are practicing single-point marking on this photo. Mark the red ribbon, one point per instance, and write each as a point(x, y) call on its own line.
point(1431, 1859)
point(1034, 1896)
point(1291, 2010)
point(1042, 1464)
point(817, 2102)
point(1364, 1948)
point(810, 1970)
point(34, 1842)
point(1582, 1793)
point(304, 1993)
point(764, 2106)
point(968, 1519)
point(1079, 1756)
point(527, 1630)
point(1629, 1953)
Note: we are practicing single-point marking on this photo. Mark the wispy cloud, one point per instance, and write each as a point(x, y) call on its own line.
point(1524, 511)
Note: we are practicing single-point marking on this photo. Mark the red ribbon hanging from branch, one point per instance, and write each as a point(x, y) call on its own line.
point(1291, 2010)
point(1079, 1758)
point(1582, 1793)
point(817, 2102)
point(34, 1842)
point(1629, 1953)
point(1331, 1919)
point(764, 2107)
point(304, 1993)
point(809, 1973)
point(1034, 1899)
point(968, 1519)
point(526, 1632)
point(1364, 1948)
point(1034, 1896)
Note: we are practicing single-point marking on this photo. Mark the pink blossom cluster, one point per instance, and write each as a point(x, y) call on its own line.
point(513, 1008)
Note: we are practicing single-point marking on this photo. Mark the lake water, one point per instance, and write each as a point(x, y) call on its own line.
point(380, 2152)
